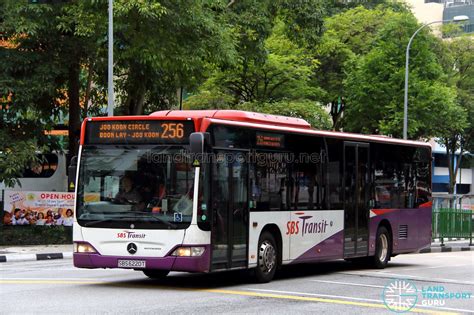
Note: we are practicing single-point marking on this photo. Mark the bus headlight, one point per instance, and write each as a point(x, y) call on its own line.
point(83, 248)
point(188, 251)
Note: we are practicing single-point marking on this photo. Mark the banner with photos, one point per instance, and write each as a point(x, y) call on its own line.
point(38, 208)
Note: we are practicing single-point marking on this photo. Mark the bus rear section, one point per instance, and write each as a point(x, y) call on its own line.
point(136, 196)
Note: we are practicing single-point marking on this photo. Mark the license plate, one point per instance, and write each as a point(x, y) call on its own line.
point(131, 263)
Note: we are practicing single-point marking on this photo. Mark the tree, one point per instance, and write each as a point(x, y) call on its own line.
point(348, 35)
point(308, 110)
point(57, 56)
point(457, 136)
point(374, 84)
point(166, 45)
point(284, 74)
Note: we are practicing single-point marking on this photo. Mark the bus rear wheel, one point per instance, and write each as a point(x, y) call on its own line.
point(267, 261)
point(155, 273)
point(383, 248)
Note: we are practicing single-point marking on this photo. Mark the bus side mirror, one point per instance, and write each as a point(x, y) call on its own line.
point(71, 174)
point(198, 142)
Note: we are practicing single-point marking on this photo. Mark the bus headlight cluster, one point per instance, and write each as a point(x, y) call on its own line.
point(188, 251)
point(83, 248)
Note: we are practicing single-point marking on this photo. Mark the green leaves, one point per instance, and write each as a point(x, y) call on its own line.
point(310, 111)
point(370, 73)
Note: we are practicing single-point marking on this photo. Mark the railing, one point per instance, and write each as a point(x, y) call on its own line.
point(455, 223)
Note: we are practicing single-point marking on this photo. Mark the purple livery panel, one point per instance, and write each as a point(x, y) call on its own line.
point(330, 248)
point(411, 228)
point(174, 263)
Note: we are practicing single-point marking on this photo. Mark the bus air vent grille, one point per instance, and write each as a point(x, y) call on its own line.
point(403, 232)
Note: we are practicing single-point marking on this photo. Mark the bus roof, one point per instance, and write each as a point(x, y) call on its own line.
point(275, 122)
point(237, 115)
point(203, 118)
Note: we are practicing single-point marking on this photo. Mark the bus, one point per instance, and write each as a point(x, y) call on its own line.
point(215, 190)
point(49, 173)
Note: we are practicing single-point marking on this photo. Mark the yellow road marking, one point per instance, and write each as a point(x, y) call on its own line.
point(236, 292)
point(49, 282)
point(315, 299)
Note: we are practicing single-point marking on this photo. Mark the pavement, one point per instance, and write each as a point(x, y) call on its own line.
point(436, 283)
point(48, 252)
point(35, 252)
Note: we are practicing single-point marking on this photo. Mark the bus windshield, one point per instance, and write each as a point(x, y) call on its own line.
point(135, 187)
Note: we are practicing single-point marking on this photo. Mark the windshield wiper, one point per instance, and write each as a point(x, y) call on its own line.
point(91, 223)
point(150, 215)
point(129, 216)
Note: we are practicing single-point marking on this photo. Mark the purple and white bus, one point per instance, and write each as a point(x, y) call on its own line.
point(204, 191)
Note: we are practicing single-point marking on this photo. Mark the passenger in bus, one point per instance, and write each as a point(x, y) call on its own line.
point(157, 194)
point(128, 194)
point(185, 203)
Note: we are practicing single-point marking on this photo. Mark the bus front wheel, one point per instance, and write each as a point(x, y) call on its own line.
point(267, 261)
point(383, 248)
point(155, 273)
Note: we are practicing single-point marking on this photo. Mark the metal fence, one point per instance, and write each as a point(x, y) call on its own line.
point(452, 223)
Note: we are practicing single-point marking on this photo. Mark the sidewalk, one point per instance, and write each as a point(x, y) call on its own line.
point(34, 252)
point(47, 252)
point(449, 246)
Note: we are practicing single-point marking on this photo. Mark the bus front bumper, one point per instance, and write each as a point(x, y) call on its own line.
point(172, 263)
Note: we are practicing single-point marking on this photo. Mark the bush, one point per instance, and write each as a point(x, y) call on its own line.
point(34, 235)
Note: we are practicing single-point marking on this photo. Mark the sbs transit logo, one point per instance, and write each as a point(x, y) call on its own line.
point(130, 235)
point(306, 226)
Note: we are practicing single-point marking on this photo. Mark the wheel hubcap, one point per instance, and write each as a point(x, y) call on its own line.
point(384, 247)
point(266, 257)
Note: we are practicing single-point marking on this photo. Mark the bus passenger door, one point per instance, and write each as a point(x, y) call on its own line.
point(230, 210)
point(356, 198)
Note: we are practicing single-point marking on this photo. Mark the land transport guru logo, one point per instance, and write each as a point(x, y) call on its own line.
point(401, 295)
point(305, 226)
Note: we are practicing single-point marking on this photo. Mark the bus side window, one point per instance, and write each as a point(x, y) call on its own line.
point(44, 168)
point(269, 183)
point(308, 189)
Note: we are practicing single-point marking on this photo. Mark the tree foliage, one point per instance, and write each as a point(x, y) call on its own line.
point(284, 74)
point(456, 134)
point(374, 82)
point(308, 110)
point(286, 57)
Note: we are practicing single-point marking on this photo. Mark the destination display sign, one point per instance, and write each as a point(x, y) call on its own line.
point(270, 140)
point(138, 132)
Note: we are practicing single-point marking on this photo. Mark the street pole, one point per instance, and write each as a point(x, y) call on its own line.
point(407, 62)
point(110, 101)
point(458, 18)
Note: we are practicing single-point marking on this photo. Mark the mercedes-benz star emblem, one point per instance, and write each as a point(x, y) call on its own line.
point(132, 248)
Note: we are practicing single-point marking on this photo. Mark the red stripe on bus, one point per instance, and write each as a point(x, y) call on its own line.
point(382, 211)
point(426, 204)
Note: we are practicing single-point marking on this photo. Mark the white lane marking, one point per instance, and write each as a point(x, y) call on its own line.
point(434, 267)
point(408, 277)
point(50, 279)
point(350, 283)
point(358, 299)
point(317, 294)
